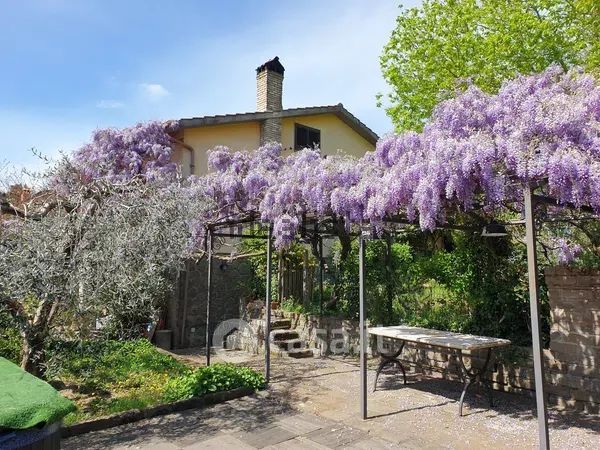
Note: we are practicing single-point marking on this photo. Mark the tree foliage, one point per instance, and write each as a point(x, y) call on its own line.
point(443, 43)
point(469, 284)
point(103, 242)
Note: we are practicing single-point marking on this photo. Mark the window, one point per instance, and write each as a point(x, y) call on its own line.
point(306, 137)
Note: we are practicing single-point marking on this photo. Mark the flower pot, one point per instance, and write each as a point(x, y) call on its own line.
point(163, 339)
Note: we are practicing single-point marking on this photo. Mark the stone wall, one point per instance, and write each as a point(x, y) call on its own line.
point(187, 308)
point(572, 361)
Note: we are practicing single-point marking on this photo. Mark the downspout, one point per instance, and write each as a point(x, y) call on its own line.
point(190, 149)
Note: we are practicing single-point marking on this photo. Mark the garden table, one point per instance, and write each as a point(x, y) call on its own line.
point(456, 342)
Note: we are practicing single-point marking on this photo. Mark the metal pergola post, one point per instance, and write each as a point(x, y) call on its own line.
point(268, 306)
point(209, 244)
point(363, 329)
point(320, 275)
point(534, 306)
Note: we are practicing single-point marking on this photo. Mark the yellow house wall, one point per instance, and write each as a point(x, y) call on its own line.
point(240, 136)
point(335, 135)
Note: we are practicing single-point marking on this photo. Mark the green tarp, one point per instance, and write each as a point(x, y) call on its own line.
point(27, 401)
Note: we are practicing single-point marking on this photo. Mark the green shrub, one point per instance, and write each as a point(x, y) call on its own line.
point(449, 280)
point(10, 338)
point(290, 304)
point(10, 345)
point(215, 378)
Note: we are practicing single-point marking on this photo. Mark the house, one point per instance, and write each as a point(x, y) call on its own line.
point(331, 128)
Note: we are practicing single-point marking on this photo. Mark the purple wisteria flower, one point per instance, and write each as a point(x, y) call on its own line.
point(119, 155)
point(567, 252)
point(477, 150)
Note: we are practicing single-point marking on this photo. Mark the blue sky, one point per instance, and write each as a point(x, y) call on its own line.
point(69, 67)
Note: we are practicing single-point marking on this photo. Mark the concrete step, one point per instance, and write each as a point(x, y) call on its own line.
point(290, 344)
point(304, 353)
point(283, 335)
point(281, 324)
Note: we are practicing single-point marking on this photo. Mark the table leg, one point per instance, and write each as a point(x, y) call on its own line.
point(389, 359)
point(473, 375)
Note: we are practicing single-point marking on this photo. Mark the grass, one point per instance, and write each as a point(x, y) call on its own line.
point(108, 377)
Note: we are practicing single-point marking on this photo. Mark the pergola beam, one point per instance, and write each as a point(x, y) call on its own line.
point(362, 328)
point(268, 306)
point(553, 202)
point(534, 307)
point(209, 244)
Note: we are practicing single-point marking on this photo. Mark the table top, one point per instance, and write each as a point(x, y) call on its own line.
point(439, 338)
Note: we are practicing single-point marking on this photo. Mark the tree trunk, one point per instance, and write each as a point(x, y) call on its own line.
point(34, 334)
point(280, 270)
point(32, 355)
point(346, 244)
point(344, 237)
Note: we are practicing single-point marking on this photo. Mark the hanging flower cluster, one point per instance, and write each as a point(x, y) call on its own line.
point(566, 252)
point(119, 155)
point(478, 150)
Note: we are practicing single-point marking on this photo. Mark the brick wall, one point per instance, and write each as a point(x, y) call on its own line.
point(270, 131)
point(574, 360)
point(269, 91)
point(269, 94)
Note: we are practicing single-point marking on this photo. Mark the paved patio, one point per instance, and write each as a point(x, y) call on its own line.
point(313, 403)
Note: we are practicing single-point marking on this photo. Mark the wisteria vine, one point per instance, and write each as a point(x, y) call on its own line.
point(118, 155)
point(476, 151)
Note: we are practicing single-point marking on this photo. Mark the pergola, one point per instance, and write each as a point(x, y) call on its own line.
point(319, 231)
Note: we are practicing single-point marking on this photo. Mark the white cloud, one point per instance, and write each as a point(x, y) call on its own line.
point(334, 60)
point(110, 104)
point(153, 91)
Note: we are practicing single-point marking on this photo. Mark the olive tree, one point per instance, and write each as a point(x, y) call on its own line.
point(104, 249)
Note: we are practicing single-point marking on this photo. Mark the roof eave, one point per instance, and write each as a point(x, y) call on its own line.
point(339, 110)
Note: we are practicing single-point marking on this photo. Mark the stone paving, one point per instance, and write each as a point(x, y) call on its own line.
point(248, 423)
point(313, 404)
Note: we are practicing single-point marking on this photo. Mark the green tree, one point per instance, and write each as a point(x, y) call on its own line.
point(436, 47)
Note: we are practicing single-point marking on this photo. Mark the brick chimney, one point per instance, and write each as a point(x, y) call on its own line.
point(269, 85)
point(269, 91)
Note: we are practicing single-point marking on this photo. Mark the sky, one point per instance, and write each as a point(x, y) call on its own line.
point(69, 67)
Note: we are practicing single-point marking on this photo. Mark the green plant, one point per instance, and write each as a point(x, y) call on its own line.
point(388, 279)
point(290, 304)
point(99, 364)
point(215, 378)
point(450, 280)
point(10, 339)
point(112, 376)
point(439, 45)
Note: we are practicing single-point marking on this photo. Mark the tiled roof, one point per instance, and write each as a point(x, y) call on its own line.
point(338, 110)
